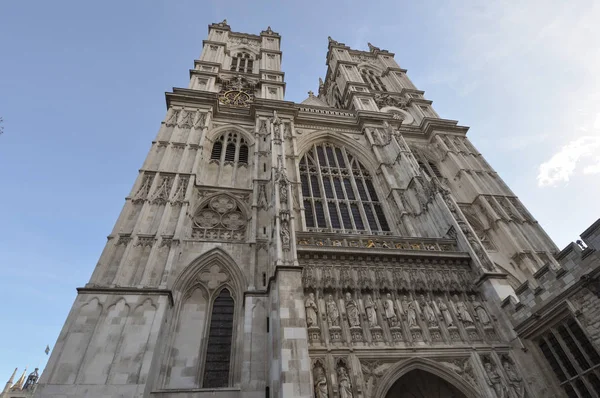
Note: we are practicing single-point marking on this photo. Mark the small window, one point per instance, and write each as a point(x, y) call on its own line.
point(230, 153)
point(217, 149)
point(243, 156)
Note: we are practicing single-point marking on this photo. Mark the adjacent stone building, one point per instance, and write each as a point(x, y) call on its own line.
point(352, 245)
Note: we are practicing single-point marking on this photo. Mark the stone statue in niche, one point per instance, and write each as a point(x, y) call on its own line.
point(410, 311)
point(480, 311)
point(494, 380)
point(311, 311)
point(352, 311)
point(428, 312)
point(390, 313)
point(344, 385)
point(333, 314)
point(370, 310)
point(462, 312)
point(445, 312)
point(515, 382)
point(320, 382)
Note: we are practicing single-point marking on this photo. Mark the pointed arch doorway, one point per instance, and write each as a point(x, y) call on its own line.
point(423, 378)
point(422, 384)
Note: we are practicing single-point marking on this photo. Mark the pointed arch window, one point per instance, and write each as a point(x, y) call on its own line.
point(218, 349)
point(338, 193)
point(242, 62)
point(373, 80)
point(236, 149)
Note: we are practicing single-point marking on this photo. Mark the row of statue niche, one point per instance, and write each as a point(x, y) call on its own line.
point(404, 278)
point(430, 311)
point(320, 382)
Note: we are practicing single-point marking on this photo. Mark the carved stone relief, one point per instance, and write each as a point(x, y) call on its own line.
point(219, 219)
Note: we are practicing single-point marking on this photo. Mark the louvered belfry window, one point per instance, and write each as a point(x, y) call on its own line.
point(242, 62)
point(338, 193)
point(373, 80)
point(236, 148)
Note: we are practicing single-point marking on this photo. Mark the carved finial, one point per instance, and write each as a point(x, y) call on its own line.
point(320, 82)
point(329, 38)
point(311, 94)
point(372, 47)
point(224, 22)
point(269, 30)
point(276, 121)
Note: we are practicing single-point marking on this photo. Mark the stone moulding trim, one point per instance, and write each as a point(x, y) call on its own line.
point(126, 290)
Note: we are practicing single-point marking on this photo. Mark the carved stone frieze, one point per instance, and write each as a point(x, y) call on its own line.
point(385, 99)
point(375, 243)
point(396, 276)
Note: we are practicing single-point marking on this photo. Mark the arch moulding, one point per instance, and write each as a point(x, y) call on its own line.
point(188, 276)
point(366, 158)
point(401, 368)
point(212, 134)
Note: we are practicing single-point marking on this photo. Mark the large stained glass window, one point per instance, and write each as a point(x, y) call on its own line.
point(338, 193)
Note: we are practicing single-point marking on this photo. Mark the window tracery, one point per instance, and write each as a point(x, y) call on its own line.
point(219, 219)
point(338, 193)
point(373, 80)
point(242, 62)
point(236, 149)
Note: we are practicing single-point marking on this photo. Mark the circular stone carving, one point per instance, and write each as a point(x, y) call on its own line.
point(222, 204)
point(233, 220)
point(207, 218)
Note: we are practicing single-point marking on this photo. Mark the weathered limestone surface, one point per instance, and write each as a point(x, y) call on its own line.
point(321, 249)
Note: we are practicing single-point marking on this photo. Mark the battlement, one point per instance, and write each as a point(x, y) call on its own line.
point(551, 286)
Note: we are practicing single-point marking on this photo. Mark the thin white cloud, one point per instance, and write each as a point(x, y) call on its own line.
point(563, 164)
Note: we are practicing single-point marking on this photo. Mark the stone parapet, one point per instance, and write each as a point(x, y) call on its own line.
point(550, 286)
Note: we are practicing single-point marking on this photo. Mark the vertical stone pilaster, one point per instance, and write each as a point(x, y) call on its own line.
point(290, 366)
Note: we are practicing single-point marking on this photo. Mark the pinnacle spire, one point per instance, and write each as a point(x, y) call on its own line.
point(10, 381)
point(19, 384)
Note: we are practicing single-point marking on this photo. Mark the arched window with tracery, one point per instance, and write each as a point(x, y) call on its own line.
point(236, 149)
point(373, 80)
point(338, 193)
point(242, 62)
point(200, 345)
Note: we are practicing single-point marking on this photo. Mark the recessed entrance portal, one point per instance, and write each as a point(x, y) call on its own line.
point(421, 384)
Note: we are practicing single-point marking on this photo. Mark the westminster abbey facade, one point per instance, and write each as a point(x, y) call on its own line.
point(354, 245)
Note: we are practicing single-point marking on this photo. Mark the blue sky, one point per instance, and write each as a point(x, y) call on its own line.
point(82, 96)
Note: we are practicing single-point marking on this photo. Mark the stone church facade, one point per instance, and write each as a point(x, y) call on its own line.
point(352, 245)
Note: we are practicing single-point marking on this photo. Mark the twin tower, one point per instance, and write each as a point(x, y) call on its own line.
point(352, 245)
